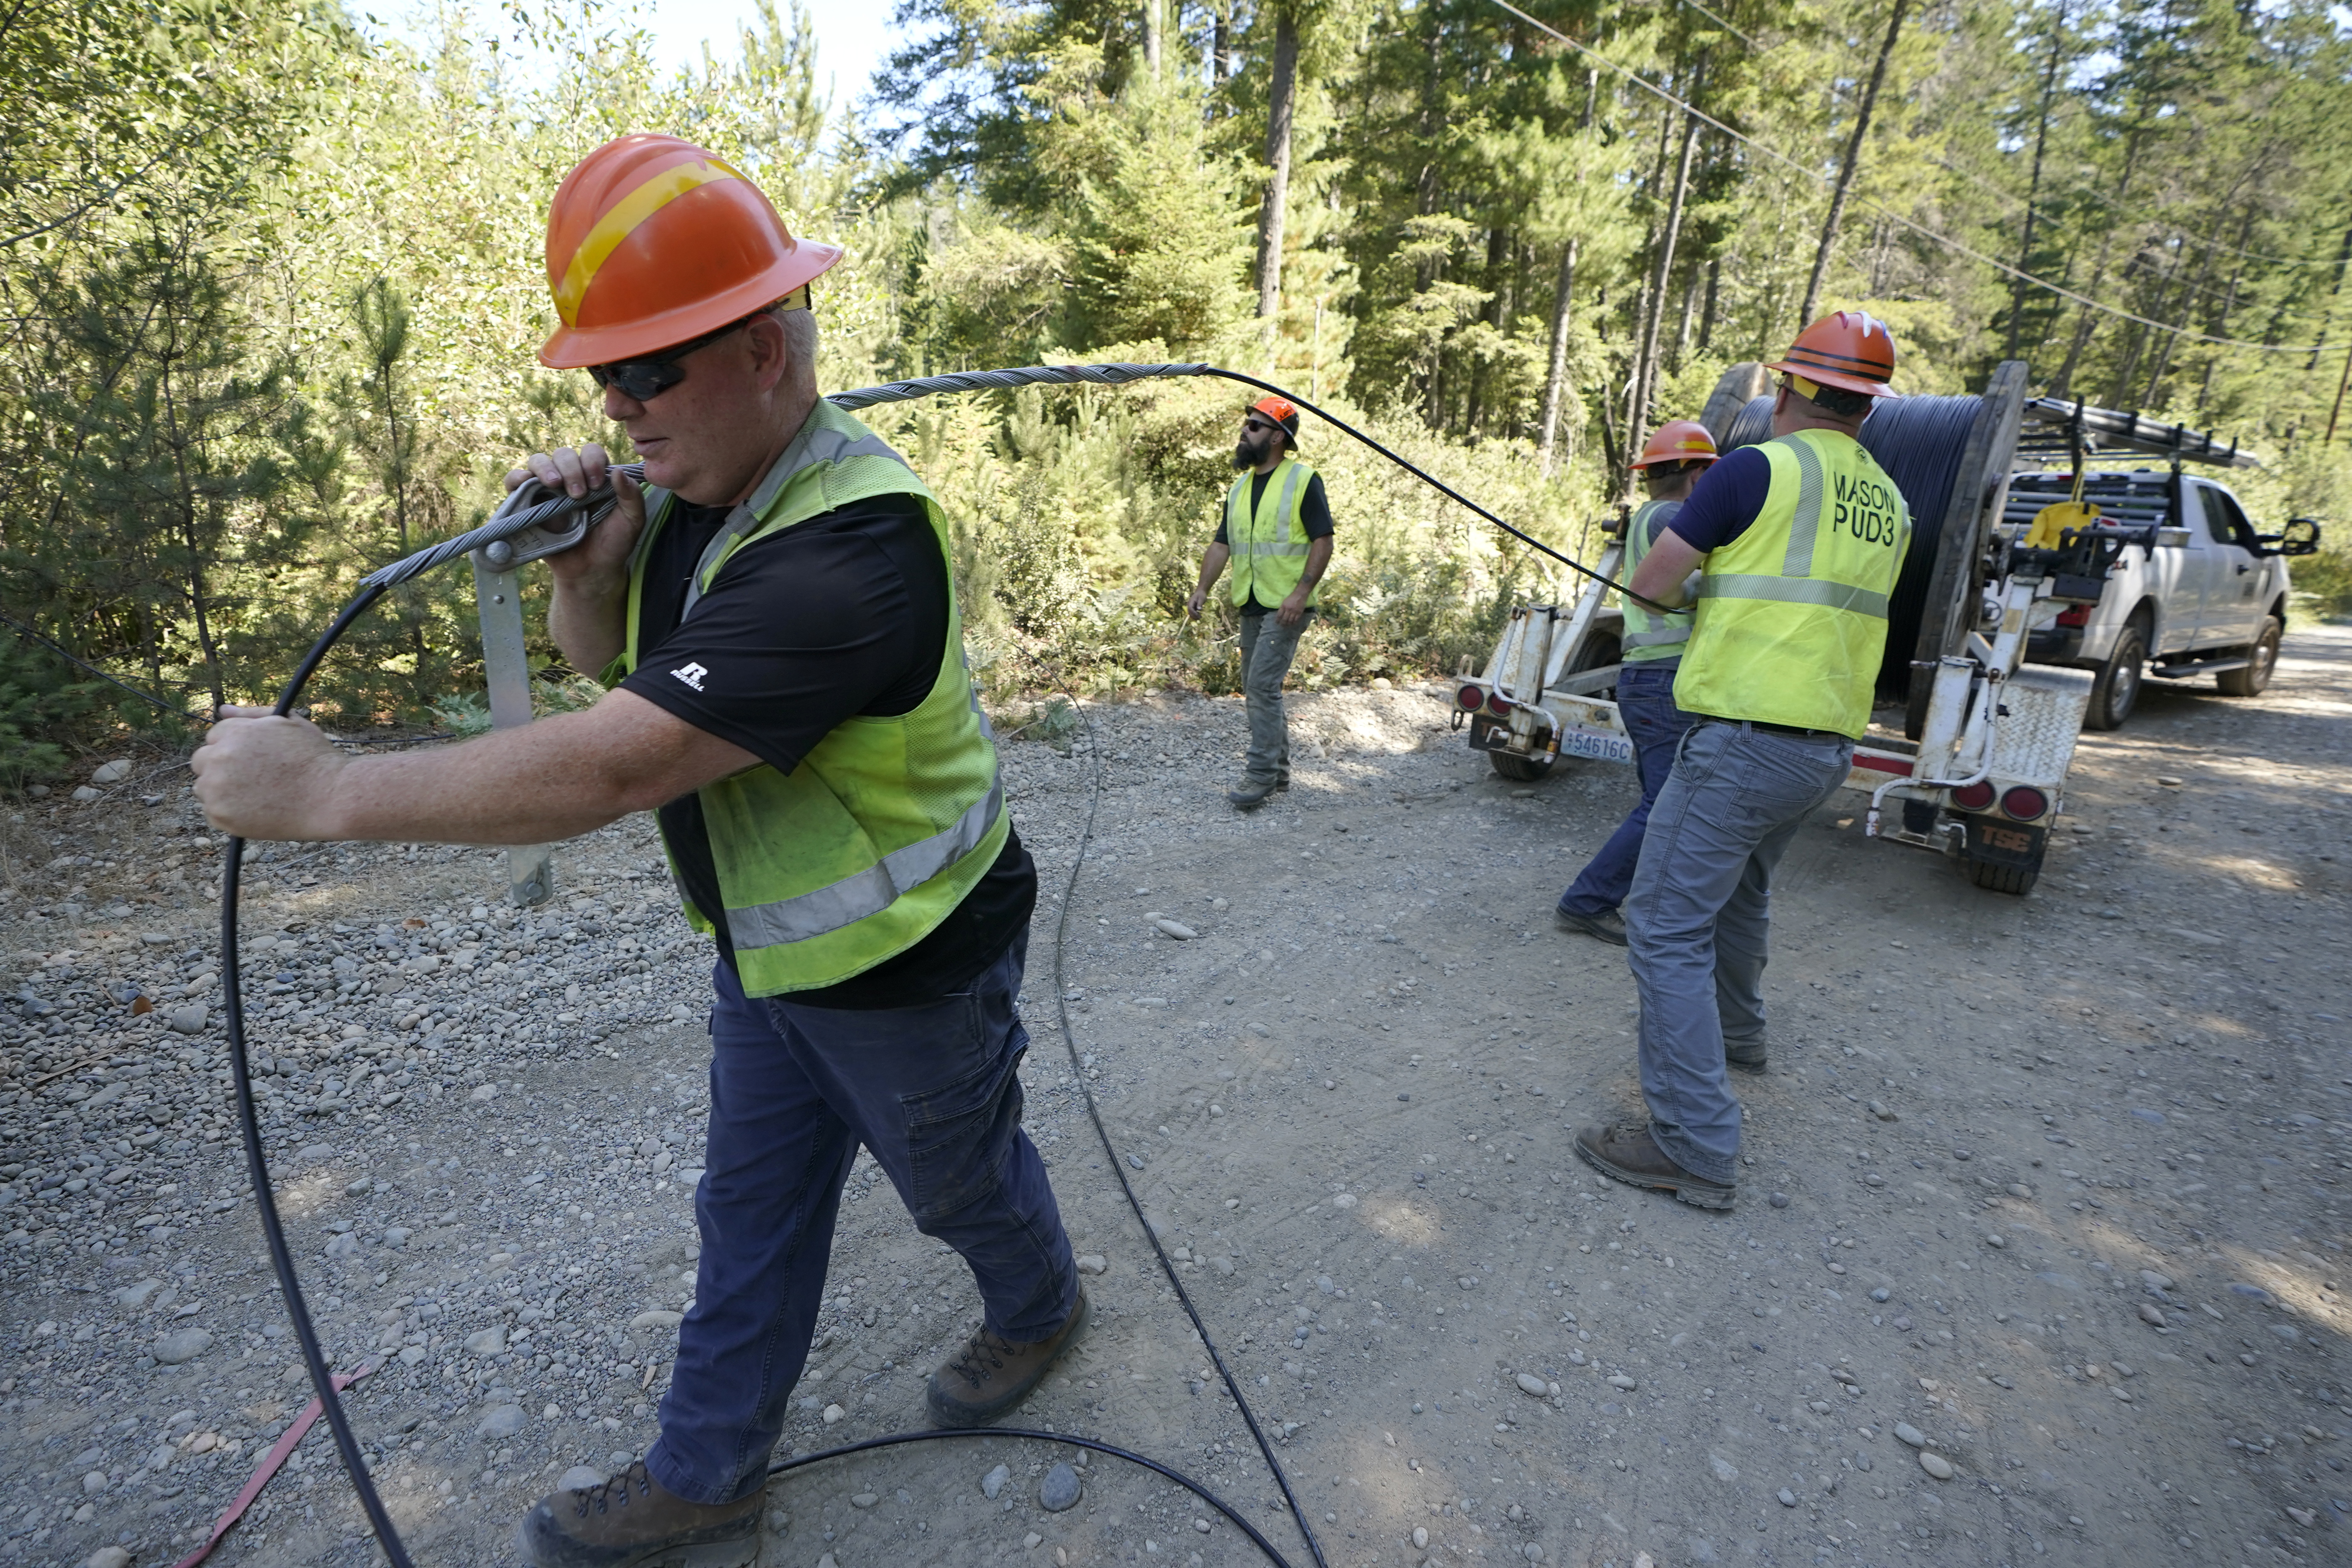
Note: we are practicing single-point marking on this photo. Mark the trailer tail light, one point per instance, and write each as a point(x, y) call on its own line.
point(1973, 798)
point(1472, 699)
point(1498, 705)
point(2025, 804)
point(2074, 615)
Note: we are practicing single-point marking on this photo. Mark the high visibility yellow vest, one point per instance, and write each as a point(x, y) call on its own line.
point(1792, 618)
point(1268, 542)
point(1649, 636)
point(862, 850)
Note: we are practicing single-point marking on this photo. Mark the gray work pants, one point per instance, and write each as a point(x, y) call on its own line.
point(1697, 917)
point(1267, 648)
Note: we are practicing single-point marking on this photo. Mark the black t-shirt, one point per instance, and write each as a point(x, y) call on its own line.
point(1314, 516)
point(845, 614)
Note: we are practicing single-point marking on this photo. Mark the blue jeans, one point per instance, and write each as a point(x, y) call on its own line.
point(934, 1092)
point(1645, 701)
point(1697, 918)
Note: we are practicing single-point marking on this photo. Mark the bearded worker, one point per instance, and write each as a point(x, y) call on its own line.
point(1802, 540)
point(776, 619)
point(1276, 531)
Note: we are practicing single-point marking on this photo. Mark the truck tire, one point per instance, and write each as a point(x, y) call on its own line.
point(2262, 659)
point(2118, 686)
point(1526, 770)
point(1999, 879)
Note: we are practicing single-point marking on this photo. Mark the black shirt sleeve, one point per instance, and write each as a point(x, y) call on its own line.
point(841, 616)
point(1314, 511)
point(1727, 499)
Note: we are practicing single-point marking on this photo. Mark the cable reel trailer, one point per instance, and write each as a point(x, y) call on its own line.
point(1968, 747)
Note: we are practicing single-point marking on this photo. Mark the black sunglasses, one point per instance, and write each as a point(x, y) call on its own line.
point(1253, 425)
point(647, 378)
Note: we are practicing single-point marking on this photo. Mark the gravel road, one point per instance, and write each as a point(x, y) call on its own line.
point(2039, 1250)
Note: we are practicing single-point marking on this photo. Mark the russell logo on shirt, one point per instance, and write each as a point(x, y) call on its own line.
point(691, 674)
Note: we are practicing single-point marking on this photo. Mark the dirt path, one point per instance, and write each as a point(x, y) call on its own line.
point(2051, 1184)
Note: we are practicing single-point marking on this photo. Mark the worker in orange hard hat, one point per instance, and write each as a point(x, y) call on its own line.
point(775, 615)
point(1277, 530)
point(1800, 541)
point(1650, 652)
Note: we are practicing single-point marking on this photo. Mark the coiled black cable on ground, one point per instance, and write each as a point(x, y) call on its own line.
point(506, 524)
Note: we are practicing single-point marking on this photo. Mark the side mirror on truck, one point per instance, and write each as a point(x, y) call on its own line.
point(2299, 537)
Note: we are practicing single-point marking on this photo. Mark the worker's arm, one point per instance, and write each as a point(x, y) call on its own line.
point(1213, 566)
point(1659, 578)
point(264, 778)
point(588, 615)
point(1318, 557)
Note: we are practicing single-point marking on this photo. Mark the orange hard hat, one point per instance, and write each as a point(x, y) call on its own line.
point(1852, 349)
point(1281, 411)
point(652, 241)
point(1677, 441)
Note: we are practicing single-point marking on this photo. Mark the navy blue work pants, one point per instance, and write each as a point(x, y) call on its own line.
point(934, 1091)
point(1645, 702)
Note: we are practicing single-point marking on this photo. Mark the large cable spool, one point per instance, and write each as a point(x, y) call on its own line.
point(1942, 454)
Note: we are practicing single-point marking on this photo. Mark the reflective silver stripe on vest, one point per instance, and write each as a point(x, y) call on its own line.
point(814, 444)
point(1657, 639)
point(870, 891)
point(1807, 524)
point(1795, 590)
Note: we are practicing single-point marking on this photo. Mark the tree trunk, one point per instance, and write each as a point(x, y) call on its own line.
point(1555, 374)
point(1845, 170)
point(1645, 372)
point(2188, 312)
point(2034, 186)
point(1152, 38)
point(1563, 290)
point(1221, 44)
point(1706, 315)
point(1282, 91)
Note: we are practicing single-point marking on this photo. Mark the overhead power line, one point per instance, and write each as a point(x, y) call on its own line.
point(1893, 216)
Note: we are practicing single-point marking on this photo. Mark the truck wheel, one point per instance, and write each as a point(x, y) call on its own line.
point(2118, 686)
point(1999, 879)
point(1526, 770)
point(2261, 660)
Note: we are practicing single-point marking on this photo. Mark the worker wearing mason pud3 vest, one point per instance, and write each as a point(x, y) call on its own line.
point(1803, 539)
point(1651, 652)
point(1277, 530)
point(775, 615)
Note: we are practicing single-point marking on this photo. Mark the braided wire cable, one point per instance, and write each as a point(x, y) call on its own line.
point(510, 519)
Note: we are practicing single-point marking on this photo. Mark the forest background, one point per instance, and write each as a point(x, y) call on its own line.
point(271, 289)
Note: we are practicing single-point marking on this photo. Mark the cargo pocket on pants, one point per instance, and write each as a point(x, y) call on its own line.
point(956, 1133)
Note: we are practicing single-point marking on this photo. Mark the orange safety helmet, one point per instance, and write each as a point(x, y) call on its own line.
point(1677, 441)
point(1282, 412)
point(1852, 350)
point(652, 241)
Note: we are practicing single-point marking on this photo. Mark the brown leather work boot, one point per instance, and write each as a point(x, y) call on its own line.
point(1629, 1155)
point(635, 1522)
point(991, 1375)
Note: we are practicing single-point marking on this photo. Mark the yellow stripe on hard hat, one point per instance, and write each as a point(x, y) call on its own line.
point(619, 222)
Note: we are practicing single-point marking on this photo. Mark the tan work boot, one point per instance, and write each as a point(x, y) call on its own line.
point(635, 1522)
point(991, 1375)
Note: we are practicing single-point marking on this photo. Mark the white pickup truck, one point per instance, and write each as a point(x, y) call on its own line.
point(2209, 596)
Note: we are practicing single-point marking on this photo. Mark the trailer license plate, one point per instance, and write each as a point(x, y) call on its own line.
point(1596, 744)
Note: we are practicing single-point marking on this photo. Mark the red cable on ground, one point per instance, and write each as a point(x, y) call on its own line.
point(270, 1463)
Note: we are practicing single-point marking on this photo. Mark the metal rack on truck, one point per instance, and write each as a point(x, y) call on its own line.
point(1969, 746)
